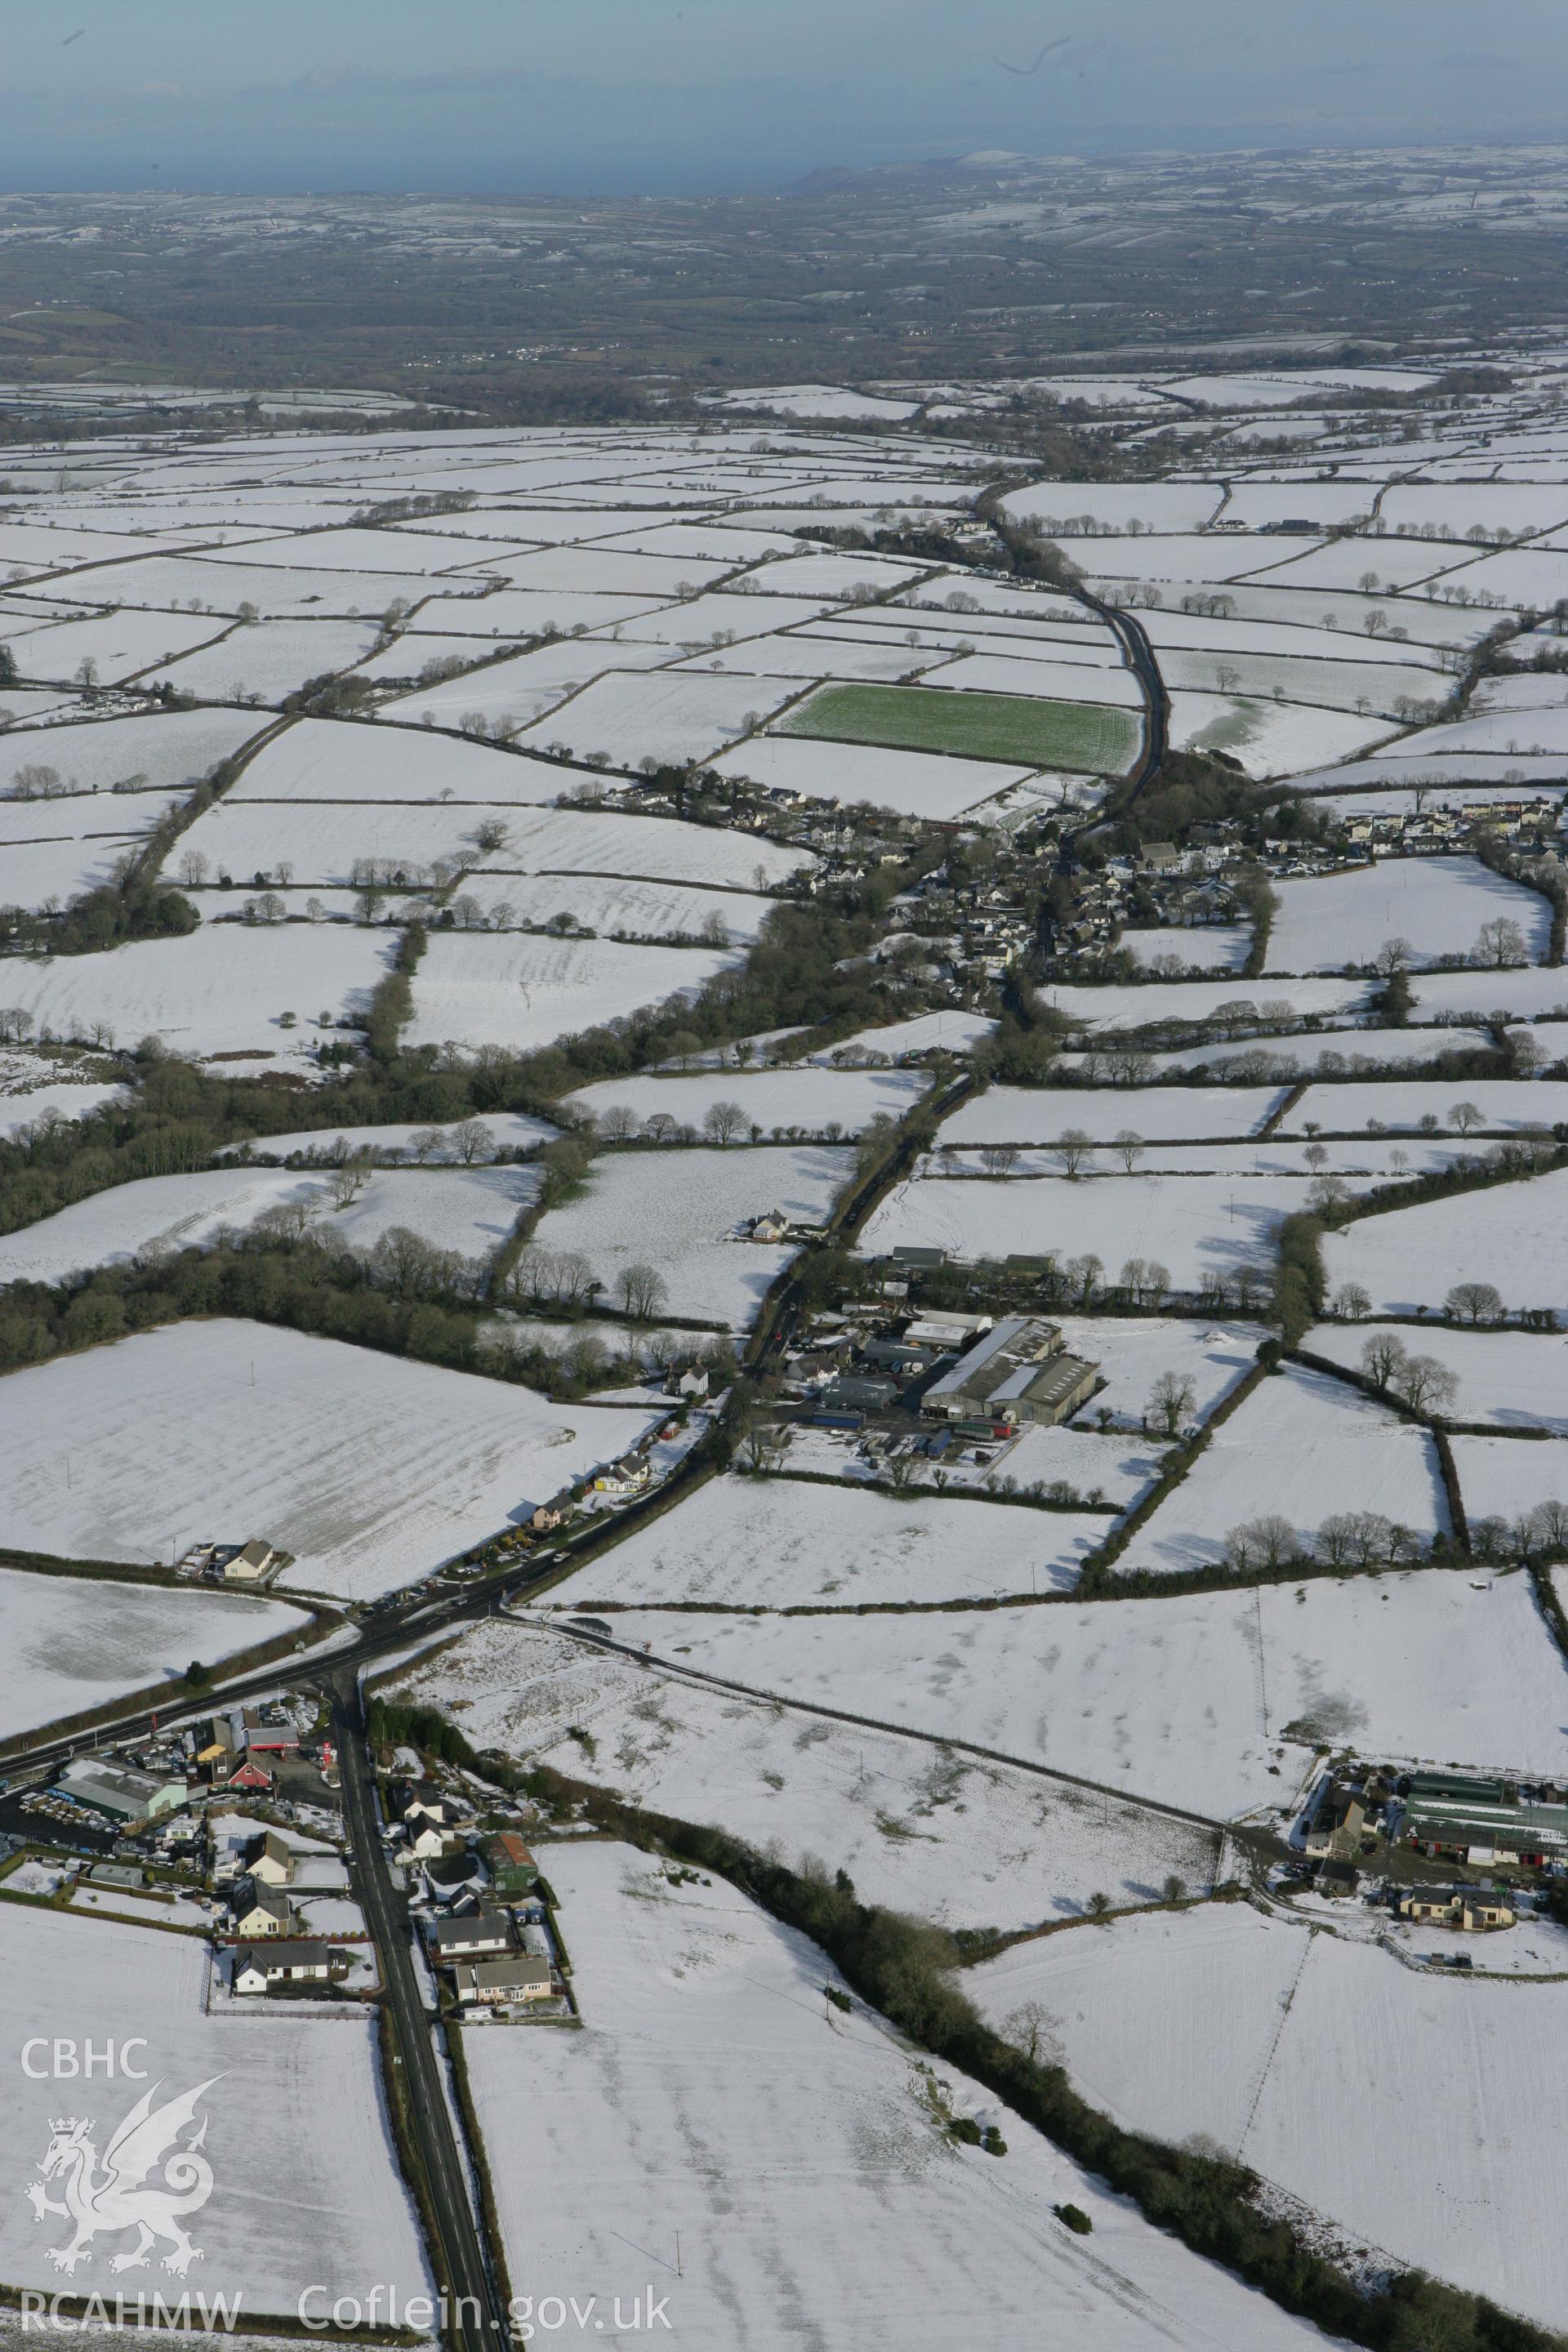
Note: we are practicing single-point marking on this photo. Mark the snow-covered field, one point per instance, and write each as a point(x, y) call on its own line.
point(1505, 1477)
point(314, 759)
point(216, 991)
point(948, 1032)
point(1167, 1699)
point(1400, 1106)
point(1270, 739)
point(152, 1214)
point(1208, 947)
point(915, 783)
point(323, 841)
point(171, 750)
point(816, 2194)
point(511, 1130)
point(805, 1097)
point(372, 1470)
point(470, 1209)
point(1305, 1446)
point(1517, 1379)
point(666, 716)
point(678, 1211)
point(1362, 1157)
point(1524, 992)
point(1138, 1007)
point(1035, 1116)
point(40, 874)
point(306, 2186)
point(1191, 1225)
point(1419, 2115)
point(520, 990)
point(950, 1837)
point(1437, 905)
point(514, 691)
point(1336, 1053)
point(71, 1644)
point(1132, 1351)
point(775, 1543)
point(1510, 1235)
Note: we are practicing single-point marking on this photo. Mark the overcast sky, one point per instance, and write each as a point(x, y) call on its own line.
point(666, 96)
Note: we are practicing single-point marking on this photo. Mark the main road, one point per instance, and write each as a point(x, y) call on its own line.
point(477, 2318)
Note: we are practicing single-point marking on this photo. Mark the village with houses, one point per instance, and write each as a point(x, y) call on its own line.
point(784, 1489)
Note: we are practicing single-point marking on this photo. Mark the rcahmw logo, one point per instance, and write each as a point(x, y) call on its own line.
point(147, 2180)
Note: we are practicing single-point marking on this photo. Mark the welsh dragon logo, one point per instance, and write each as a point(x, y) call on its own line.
point(123, 2194)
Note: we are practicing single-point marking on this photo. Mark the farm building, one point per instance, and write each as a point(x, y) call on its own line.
point(1019, 1372)
point(1454, 1819)
point(512, 1869)
point(128, 1797)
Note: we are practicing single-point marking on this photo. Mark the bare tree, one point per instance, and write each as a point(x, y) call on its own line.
point(1083, 1274)
point(660, 1125)
point(999, 1158)
point(1128, 1147)
point(619, 1123)
point(425, 1142)
point(1327, 1195)
point(1030, 2029)
point(346, 1184)
point(1171, 1400)
point(1466, 1117)
point(1071, 1149)
point(642, 1291)
point(1351, 1302)
point(1394, 955)
point(1473, 1302)
point(1382, 1357)
point(193, 869)
point(1425, 1384)
point(723, 1121)
point(472, 1140)
point(1501, 944)
point(571, 1280)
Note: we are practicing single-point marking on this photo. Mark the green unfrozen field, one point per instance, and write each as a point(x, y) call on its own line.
point(1089, 736)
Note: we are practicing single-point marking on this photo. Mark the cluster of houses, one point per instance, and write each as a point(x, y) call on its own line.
point(486, 1924)
point(272, 1954)
point(130, 1790)
point(1442, 827)
point(247, 1747)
